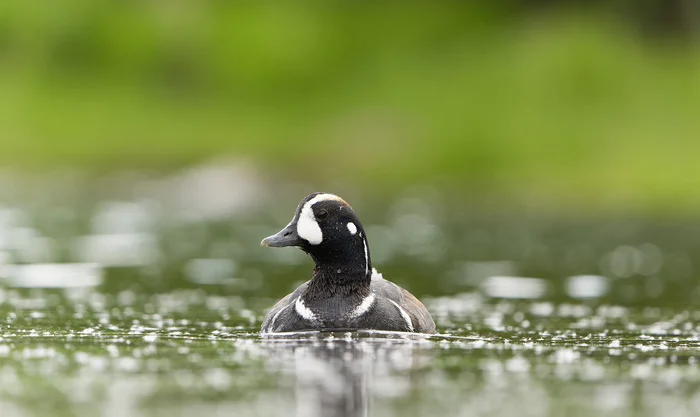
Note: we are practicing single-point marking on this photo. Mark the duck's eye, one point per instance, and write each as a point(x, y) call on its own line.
point(322, 214)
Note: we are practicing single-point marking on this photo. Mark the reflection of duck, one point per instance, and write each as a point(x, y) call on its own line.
point(336, 374)
point(345, 292)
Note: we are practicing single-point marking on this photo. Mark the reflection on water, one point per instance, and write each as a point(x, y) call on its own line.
point(141, 295)
point(337, 374)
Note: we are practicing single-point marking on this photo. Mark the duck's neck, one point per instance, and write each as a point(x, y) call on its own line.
point(328, 283)
point(344, 272)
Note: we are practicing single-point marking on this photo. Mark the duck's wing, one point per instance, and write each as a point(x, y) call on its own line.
point(282, 304)
point(422, 320)
point(420, 317)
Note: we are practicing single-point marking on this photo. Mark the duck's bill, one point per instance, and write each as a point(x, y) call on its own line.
point(285, 237)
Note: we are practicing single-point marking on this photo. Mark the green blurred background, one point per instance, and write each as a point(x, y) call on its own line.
point(590, 103)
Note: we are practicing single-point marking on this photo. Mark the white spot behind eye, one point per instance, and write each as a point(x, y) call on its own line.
point(352, 228)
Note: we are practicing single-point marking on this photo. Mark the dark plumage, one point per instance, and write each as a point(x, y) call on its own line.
point(345, 292)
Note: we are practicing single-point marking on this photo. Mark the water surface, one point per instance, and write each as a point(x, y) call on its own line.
point(142, 295)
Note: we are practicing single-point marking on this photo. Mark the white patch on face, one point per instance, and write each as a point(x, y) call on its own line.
point(307, 226)
point(352, 228)
point(304, 311)
point(308, 229)
point(364, 306)
point(404, 314)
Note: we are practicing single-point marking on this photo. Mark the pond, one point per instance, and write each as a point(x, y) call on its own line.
point(142, 295)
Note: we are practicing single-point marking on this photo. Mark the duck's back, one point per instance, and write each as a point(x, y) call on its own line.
point(412, 312)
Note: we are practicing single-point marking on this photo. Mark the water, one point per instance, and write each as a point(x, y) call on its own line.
point(142, 295)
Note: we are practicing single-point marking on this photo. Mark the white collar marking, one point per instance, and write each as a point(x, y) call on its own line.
point(364, 306)
point(404, 314)
point(307, 227)
point(304, 311)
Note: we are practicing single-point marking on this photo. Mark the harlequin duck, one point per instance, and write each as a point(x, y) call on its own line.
point(345, 292)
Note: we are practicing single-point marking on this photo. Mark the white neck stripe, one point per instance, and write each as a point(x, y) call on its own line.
point(364, 242)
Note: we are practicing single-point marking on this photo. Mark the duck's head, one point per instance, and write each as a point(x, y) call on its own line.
point(327, 228)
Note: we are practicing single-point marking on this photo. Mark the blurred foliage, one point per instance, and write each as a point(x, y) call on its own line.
point(529, 96)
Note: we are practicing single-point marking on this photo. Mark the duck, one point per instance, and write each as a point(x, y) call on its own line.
point(345, 292)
